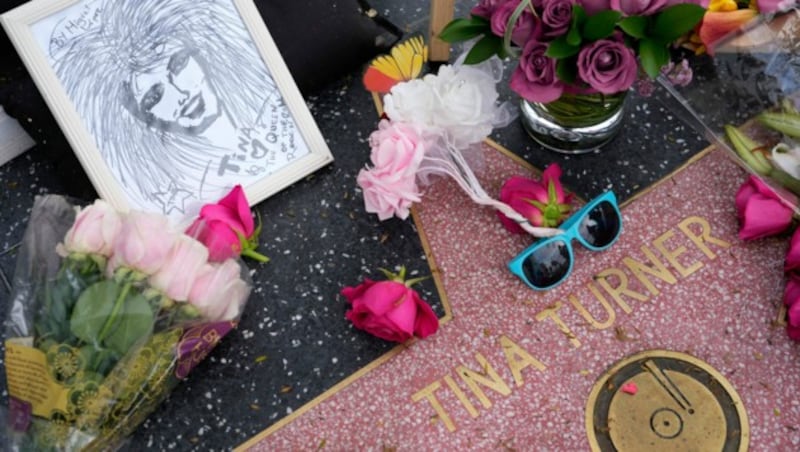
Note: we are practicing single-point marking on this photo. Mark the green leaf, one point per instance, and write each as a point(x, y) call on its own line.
point(654, 55)
point(560, 48)
point(464, 29)
point(567, 70)
point(134, 322)
point(487, 46)
point(634, 26)
point(93, 308)
point(573, 36)
point(676, 20)
point(600, 25)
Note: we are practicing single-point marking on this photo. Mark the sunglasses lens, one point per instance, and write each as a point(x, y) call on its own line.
point(601, 225)
point(547, 265)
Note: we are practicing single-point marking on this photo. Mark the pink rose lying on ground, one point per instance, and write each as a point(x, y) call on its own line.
point(390, 310)
point(761, 211)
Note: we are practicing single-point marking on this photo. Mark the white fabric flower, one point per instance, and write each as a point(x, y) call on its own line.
point(413, 101)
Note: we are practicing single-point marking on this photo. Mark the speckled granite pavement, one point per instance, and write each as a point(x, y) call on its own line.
point(293, 343)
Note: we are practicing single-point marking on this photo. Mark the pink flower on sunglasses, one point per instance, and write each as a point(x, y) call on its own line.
point(544, 203)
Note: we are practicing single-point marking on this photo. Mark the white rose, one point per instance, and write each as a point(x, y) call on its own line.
point(413, 101)
point(466, 107)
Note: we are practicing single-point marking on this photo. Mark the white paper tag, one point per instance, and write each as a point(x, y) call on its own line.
point(13, 138)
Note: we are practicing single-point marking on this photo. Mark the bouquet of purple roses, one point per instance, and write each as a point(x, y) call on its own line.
point(576, 46)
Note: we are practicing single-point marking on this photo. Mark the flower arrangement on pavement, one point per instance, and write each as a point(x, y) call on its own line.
point(118, 309)
point(575, 47)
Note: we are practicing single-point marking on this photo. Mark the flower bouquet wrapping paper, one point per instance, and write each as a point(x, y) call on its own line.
point(109, 312)
point(747, 99)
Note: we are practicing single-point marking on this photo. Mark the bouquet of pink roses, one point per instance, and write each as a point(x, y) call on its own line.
point(111, 310)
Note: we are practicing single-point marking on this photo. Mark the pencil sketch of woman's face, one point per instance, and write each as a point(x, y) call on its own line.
point(174, 94)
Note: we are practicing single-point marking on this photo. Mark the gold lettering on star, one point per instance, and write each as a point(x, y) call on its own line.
point(666, 260)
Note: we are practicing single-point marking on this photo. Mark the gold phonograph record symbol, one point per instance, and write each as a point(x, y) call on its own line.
point(662, 400)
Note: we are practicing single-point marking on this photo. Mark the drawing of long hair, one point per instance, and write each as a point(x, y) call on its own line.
point(97, 66)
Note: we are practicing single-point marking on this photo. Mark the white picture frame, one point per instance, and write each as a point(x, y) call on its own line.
point(169, 103)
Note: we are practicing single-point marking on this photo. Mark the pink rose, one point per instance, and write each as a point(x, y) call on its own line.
point(390, 185)
point(791, 293)
point(93, 231)
point(536, 201)
point(761, 212)
point(181, 267)
point(637, 7)
point(793, 332)
point(608, 66)
point(594, 6)
point(535, 76)
point(792, 261)
point(556, 18)
point(218, 292)
point(219, 226)
point(526, 27)
point(389, 310)
point(143, 243)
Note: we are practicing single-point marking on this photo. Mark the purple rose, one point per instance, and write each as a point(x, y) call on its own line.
point(556, 18)
point(638, 7)
point(594, 6)
point(607, 66)
point(527, 26)
point(535, 77)
point(485, 8)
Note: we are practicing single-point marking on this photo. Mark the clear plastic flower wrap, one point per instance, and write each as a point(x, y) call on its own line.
point(746, 100)
point(108, 313)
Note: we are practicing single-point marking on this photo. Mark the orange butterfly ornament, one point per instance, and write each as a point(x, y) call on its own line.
point(403, 63)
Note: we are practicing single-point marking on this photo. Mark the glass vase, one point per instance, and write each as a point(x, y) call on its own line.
point(575, 123)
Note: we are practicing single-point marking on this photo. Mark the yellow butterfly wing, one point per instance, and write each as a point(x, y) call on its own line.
point(405, 62)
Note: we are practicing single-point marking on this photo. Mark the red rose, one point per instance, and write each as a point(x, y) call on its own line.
point(390, 310)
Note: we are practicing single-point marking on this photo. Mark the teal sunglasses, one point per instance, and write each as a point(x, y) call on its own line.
point(548, 262)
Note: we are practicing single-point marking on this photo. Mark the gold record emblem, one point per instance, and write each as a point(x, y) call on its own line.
point(661, 400)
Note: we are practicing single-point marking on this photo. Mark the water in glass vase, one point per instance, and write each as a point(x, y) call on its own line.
point(575, 123)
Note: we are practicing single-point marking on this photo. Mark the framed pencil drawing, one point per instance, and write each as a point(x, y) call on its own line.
point(169, 103)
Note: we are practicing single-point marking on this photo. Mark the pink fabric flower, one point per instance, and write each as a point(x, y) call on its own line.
point(761, 212)
point(143, 243)
point(219, 226)
point(218, 291)
point(594, 6)
point(542, 203)
point(609, 66)
point(93, 231)
point(390, 185)
point(526, 27)
point(180, 270)
point(390, 311)
point(535, 76)
point(637, 7)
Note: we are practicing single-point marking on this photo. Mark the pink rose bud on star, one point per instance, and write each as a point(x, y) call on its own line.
point(391, 309)
point(544, 204)
point(227, 228)
point(761, 211)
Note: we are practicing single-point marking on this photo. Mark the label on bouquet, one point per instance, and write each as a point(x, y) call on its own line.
point(29, 380)
point(197, 343)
